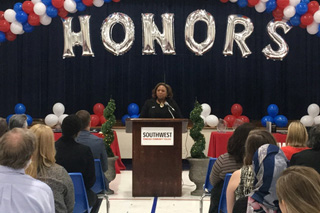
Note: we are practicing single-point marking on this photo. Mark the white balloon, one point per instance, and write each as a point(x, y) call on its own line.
point(260, 7)
point(313, 110)
point(51, 120)
point(206, 110)
point(212, 120)
point(16, 28)
point(289, 11)
point(307, 120)
point(294, 2)
point(317, 120)
point(70, 5)
point(39, 8)
point(45, 20)
point(58, 109)
point(10, 15)
point(264, 1)
point(233, 1)
point(98, 3)
point(316, 16)
point(35, 1)
point(62, 117)
point(313, 28)
point(204, 120)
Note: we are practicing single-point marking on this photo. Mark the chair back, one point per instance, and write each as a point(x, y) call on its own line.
point(207, 187)
point(99, 186)
point(80, 194)
point(223, 198)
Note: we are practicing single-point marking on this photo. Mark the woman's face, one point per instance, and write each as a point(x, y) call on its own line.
point(161, 92)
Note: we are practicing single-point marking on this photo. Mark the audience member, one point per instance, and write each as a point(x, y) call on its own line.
point(309, 157)
point(20, 192)
point(18, 121)
point(75, 157)
point(298, 190)
point(44, 168)
point(228, 163)
point(296, 139)
point(3, 126)
point(241, 181)
point(268, 163)
point(95, 143)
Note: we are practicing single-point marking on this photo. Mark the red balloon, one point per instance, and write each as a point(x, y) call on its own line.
point(278, 14)
point(302, 26)
point(27, 7)
point(87, 2)
point(313, 7)
point(282, 3)
point(224, 1)
point(230, 120)
point(4, 26)
point(95, 120)
point(57, 3)
point(116, 0)
point(236, 110)
point(33, 19)
point(98, 109)
point(253, 2)
point(1, 15)
point(62, 12)
point(10, 36)
point(102, 119)
point(244, 118)
point(306, 19)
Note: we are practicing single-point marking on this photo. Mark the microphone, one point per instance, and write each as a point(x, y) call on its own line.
point(167, 104)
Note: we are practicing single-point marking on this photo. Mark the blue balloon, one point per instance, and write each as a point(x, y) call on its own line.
point(19, 109)
point(81, 6)
point(265, 119)
point(52, 11)
point(21, 17)
point(17, 7)
point(135, 116)
point(8, 118)
point(295, 20)
point(46, 2)
point(123, 119)
point(107, 1)
point(301, 8)
point(77, 1)
point(29, 120)
point(28, 28)
point(271, 5)
point(273, 110)
point(2, 37)
point(305, 1)
point(133, 109)
point(281, 121)
point(242, 3)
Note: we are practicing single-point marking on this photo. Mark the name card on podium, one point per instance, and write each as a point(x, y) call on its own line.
point(157, 136)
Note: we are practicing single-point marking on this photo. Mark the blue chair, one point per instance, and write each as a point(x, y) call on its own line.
point(207, 187)
point(99, 186)
point(223, 198)
point(80, 194)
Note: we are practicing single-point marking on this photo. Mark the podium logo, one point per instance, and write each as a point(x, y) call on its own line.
point(157, 136)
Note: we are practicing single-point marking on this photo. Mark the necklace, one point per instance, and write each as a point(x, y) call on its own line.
point(160, 103)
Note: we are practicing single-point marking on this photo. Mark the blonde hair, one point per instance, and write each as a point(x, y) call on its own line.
point(299, 188)
point(297, 135)
point(44, 154)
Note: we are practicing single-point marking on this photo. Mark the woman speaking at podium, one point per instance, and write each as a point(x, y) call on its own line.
point(161, 105)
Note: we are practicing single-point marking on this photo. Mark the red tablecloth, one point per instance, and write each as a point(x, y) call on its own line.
point(114, 146)
point(219, 141)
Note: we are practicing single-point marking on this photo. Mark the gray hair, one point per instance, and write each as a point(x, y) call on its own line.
point(3, 126)
point(19, 121)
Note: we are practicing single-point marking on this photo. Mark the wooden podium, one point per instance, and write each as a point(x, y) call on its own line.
point(156, 156)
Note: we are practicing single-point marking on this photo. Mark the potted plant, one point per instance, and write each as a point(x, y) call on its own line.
point(198, 160)
point(107, 131)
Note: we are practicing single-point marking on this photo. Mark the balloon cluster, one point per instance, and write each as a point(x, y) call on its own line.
point(236, 118)
point(273, 117)
point(25, 16)
point(20, 109)
point(303, 13)
point(97, 118)
point(208, 119)
point(133, 112)
point(57, 116)
point(313, 117)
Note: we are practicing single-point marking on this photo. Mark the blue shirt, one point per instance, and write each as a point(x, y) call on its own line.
point(22, 193)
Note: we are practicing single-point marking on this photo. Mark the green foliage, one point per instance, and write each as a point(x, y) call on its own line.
point(195, 132)
point(106, 128)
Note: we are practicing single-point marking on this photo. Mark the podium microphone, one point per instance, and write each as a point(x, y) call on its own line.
point(167, 104)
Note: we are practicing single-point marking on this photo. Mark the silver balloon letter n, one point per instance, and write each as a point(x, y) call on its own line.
point(81, 38)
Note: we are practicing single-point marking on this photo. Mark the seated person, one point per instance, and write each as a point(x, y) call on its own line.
point(309, 157)
point(228, 163)
point(18, 121)
point(44, 168)
point(3, 126)
point(296, 139)
point(241, 181)
point(293, 198)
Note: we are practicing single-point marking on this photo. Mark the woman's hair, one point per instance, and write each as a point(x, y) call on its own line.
point(237, 140)
point(299, 188)
point(256, 138)
point(297, 134)
point(3, 126)
point(44, 154)
point(314, 137)
point(169, 90)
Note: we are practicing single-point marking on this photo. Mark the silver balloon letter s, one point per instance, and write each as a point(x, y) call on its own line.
point(106, 33)
point(81, 38)
point(240, 37)
point(200, 15)
point(283, 46)
point(151, 33)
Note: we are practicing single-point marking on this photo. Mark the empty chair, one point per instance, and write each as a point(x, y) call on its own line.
point(207, 187)
point(99, 186)
point(223, 200)
point(80, 194)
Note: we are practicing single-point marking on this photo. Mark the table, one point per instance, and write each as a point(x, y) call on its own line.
point(114, 146)
point(219, 141)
